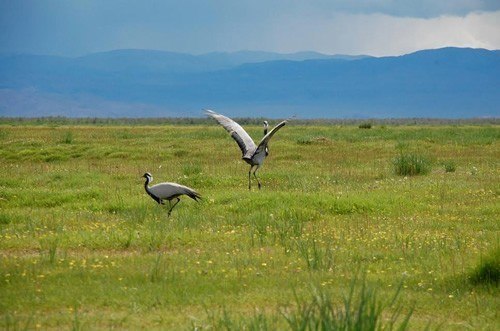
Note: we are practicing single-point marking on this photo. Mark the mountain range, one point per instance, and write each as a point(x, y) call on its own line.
point(444, 83)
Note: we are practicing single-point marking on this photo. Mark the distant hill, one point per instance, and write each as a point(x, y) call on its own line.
point(446, 83)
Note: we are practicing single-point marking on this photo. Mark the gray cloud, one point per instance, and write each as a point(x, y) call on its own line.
point(413, 8)
point(381, 35)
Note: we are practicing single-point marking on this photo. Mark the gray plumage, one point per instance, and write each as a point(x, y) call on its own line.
point(168, 191)
point(252, 154)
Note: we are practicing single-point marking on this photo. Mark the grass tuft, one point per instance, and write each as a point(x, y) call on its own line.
point(361, 310)
point(50, 246)
point(315, 257)
point(12, 322)
point(157, 270)
point(76, 324)
point(5, 219)
point(411, 165)
point(305, 141)
point(450, 166)
point(488, 270)
point(313, 140)
point(68, 138)
point(191, 169)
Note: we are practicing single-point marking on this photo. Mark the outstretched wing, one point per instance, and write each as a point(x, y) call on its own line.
point(263, 143)
point(241, 137)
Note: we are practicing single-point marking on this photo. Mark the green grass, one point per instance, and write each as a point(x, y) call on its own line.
point(83, 247)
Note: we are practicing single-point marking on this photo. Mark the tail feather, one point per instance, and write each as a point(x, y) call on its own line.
point(194, 195)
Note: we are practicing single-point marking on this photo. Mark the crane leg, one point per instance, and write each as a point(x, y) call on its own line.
point(249, 178)
point(255, 175)
point(172, 207)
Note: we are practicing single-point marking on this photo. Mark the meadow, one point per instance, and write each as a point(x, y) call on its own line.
point(333, 229)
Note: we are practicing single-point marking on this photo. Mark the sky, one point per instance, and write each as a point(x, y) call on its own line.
point(372, 27)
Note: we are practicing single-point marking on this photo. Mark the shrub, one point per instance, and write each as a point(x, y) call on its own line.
point(411, 165)
point(366, 125)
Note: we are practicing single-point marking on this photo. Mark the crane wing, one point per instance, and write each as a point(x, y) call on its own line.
point(165, 190)
point(172, 190)
point(241, 137)
point(263, 143)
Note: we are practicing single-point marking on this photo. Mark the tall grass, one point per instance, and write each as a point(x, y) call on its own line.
point(315, 256)
point(360, 309)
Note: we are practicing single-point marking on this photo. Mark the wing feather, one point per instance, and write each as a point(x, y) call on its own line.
point(263, 143)
point(241, 137)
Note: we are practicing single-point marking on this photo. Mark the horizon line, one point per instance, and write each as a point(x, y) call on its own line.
point(14, 53)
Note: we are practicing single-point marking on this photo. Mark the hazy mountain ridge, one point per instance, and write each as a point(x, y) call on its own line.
point(137, 60)
point(448, 82)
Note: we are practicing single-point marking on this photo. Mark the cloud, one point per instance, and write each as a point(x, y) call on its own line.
point(413, 8)
point(379, 27)
point(378, 34)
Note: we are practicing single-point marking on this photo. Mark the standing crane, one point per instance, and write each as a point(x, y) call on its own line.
point(168, 191)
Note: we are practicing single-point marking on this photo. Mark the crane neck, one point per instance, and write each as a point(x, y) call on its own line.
point(148, 191)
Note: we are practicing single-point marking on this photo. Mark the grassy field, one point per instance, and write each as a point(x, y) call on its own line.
point(83, 247)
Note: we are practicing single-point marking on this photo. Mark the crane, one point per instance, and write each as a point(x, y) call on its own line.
point(168, 191)
point(253, 154)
